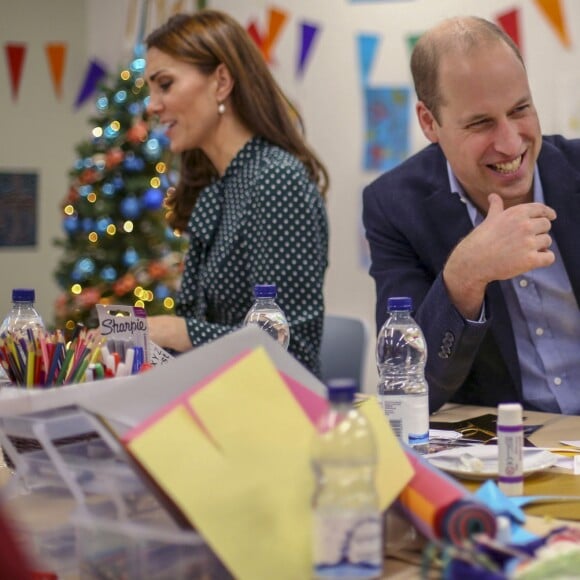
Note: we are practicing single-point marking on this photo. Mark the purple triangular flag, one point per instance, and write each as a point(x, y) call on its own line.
point(95, 72)
point(308, 32)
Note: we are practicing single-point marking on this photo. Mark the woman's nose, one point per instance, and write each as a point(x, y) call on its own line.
point(153, 106)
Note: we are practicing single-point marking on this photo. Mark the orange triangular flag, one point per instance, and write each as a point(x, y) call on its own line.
point(276, 20)
point(15, 54)
point(56, 55)
point(552, 10)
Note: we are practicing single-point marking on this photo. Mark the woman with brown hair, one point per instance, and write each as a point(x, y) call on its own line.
point(250, 192)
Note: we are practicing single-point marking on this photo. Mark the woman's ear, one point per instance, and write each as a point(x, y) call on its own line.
point(225, 82)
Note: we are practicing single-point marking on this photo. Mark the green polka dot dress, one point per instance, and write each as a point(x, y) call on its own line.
point(263, 222)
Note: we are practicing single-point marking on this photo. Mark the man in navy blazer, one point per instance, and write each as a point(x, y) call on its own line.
point(480, 228)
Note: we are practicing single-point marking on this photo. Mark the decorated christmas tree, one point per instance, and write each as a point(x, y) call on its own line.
point(117, 248)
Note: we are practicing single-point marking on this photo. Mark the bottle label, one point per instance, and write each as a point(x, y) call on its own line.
point(408, 416)
point(347, 544)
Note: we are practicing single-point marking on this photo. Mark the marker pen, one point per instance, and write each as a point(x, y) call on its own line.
point(510, 445)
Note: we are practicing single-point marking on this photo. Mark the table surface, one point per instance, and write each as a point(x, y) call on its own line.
point(555, 481)
point(541, 517)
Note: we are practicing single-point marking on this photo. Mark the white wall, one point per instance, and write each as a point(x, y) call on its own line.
point(329, 97)
point(39, 132)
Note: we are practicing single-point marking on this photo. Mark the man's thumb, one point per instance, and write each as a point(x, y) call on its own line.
point(495, 204)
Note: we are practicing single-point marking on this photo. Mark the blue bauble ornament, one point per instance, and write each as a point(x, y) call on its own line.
point(133, 163)
point(76, 275)
point(102, 103)
point(160, 135)
point(103, 223)
point(162, 292)
point(118, 183)
point(137, 65)
point(130, 208)
point(152, 149)
point(130, 257)
point(109, 274)
point(152, 199)
point(108, 189)
point(86, 267)
point(71, 224)
point(88, 225)
point(136, 108)
point(120, 96)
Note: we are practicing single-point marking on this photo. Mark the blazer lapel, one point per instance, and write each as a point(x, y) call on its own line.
point(561, 188)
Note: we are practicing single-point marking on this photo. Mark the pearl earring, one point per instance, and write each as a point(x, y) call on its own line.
point(221, 109)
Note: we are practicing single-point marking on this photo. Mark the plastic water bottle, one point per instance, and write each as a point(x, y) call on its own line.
point(21, 316)
point(402, 390)
point(266, 314)
point(347, 521)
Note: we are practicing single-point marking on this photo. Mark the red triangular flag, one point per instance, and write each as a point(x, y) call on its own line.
point(255, 34)
point(510, 22)
point(15, 54)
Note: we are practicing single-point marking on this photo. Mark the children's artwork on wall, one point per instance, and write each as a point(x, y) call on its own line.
point(18, 209)
point(387, 127)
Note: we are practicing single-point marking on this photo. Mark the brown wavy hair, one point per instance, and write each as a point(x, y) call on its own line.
point(207, 39)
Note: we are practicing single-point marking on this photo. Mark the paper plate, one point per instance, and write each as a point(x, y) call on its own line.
point(480, 461)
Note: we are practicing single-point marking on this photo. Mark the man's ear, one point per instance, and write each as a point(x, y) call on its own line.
point(428, 123)
point(225, 82)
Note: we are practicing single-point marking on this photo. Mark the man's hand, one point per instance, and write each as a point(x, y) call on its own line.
point(509, 242)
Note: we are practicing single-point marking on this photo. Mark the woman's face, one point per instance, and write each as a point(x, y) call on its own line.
point(183, 99)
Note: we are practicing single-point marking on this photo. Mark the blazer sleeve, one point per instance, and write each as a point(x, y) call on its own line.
point(400, 267)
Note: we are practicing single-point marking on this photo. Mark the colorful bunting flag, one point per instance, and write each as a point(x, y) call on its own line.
point(56, 55)
point(15, 55)
point(510, 22)
point(265, 42)
point(553, 12)
point(276, 20)
point(308, 33)
point(367, 47)
point(412, 41)
point(255, 35)
point(95, 72)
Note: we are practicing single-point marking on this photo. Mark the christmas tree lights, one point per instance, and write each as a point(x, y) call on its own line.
point(117, 248)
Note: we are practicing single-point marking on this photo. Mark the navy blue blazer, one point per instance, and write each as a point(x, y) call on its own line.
point(413, 222)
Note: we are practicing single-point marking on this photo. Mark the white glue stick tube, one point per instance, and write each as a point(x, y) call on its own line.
point(510, 445)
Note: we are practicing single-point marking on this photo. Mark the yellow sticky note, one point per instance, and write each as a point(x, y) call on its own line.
point(234, 456)
point(247, 488)
point(394, 470)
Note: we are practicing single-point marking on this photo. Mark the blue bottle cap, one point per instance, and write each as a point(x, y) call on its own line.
point(265, 291)
point(399, 303)
point(341, 390)
point(23, 295)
